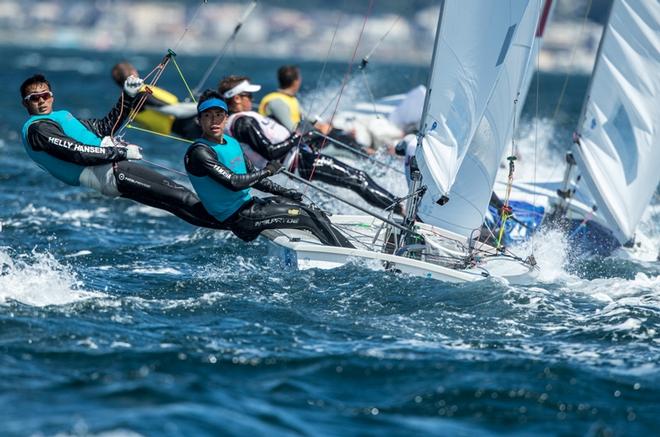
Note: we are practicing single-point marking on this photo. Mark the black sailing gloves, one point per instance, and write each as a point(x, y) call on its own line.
point(274, 167)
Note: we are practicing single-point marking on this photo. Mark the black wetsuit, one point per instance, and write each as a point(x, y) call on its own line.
point(259, 214)
point(133, 181)
point(311, 164)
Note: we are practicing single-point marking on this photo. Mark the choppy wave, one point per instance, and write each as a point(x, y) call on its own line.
point(118, 319)
point(38, 279)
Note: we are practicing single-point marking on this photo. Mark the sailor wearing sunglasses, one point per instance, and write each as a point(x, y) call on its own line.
point(82, 152)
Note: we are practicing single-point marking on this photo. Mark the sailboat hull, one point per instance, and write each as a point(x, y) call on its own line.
point(440, 259)
point(586, 231)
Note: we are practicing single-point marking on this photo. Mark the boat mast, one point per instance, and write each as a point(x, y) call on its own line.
point(565, 194)
point(415, 191)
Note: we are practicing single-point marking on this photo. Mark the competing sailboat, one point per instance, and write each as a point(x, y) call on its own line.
point(481, 53)
point(611, 172)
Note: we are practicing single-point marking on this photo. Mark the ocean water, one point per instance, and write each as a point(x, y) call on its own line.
point(119, 320)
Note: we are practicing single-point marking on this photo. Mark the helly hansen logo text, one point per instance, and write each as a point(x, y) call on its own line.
point(76, 147)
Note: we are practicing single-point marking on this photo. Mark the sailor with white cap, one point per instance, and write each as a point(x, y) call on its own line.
point(263, 140)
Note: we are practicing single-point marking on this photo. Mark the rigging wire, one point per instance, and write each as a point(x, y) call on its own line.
point(346, 77)
point(363, 65)
point(318, 86)
point(157, 72)
point(225, 47)
point(536, 132)
point(365, 61)
point(325, 61)
point(362, 68)
point(189, 24)
point(571, 62)
point(358, 152)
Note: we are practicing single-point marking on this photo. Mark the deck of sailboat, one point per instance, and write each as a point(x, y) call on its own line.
point(442, 257)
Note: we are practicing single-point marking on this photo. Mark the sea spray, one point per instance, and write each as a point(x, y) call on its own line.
point(38, 279)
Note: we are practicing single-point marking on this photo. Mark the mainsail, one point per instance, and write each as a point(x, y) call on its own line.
point(619, 132)
point(469, 119)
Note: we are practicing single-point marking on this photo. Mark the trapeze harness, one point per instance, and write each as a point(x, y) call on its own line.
point(274, 132)
point(67, 172)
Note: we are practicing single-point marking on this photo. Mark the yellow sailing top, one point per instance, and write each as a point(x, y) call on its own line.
point(153, 120)
point(291, 102)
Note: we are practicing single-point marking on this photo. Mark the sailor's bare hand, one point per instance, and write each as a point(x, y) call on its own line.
point(322, 127)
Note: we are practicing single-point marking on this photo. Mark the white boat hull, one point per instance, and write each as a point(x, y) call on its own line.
point(298, 249)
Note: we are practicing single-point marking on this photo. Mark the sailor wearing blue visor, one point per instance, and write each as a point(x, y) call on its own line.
point(223, 177)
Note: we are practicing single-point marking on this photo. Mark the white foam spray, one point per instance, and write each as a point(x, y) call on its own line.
point(38, 279)
point(550, 249)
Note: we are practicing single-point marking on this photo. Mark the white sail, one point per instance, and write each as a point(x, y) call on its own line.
point(619, 148)
point(471, 191)
point(472, 41)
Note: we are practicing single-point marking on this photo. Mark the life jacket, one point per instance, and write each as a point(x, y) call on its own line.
point(67, 172)
point(291, 102)
point(153, 120)
point(274, 132)
point(220, 201)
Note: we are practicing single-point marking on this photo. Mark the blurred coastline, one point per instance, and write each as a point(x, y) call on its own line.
point(278, 29)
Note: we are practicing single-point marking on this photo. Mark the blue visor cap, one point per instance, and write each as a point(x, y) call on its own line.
point(211, 103)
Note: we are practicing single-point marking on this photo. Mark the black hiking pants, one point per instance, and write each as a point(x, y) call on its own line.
point(259, 214)
point(147, 186)
point(334, 172)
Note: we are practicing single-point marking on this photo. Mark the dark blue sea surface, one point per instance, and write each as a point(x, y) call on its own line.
point(120, 320)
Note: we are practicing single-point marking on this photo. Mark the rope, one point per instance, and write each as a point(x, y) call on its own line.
point(223, 51)
point(190, 22)
point(133, 113)
point(587, 218)
point(190, 93)
point(130, 126)
point(164, 167)
point(345, 80)
point(570, 64)
point(506, 209)
point(157, 72)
